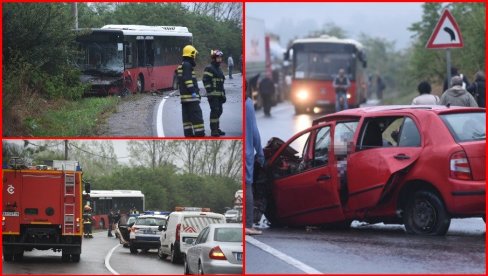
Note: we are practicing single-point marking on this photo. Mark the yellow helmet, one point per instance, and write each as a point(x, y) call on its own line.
point(189, 51)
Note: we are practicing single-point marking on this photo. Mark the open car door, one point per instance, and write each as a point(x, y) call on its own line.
point(383, 151)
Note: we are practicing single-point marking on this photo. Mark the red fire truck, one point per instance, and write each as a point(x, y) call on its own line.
point(42, 209)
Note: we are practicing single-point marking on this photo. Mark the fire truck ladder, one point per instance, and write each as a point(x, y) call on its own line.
point(69, 205)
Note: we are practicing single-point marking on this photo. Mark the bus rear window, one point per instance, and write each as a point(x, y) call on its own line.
point(466, 127)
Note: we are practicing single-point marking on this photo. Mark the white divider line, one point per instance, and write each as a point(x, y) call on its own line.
point(107, 260)
point(282, 256)
point(159, 116)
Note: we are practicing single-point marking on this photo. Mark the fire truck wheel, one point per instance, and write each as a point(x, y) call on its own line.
point(75, 258)
point(65, 257)
point(8, 257)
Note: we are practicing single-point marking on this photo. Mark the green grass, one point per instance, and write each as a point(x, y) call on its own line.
point(76, 118)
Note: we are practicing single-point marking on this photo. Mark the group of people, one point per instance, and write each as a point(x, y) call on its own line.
point(460, 92)
point(213, 81)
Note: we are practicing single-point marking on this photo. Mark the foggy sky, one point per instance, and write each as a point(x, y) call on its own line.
point(385, 20)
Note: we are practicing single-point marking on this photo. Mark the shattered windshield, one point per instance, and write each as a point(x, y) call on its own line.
point(101, 58)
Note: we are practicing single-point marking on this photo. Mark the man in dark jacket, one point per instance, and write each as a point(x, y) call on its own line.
point(477, 88)
point(190, 94)
point(267, 91)
point(457, 95)
point(213, 80)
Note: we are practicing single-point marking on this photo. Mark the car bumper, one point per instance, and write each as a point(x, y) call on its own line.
point(467, 198)
point(144, 244)
point(221, 267)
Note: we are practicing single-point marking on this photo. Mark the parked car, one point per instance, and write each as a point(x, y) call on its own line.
point(145, 232)
point(232, 215)
point(416, 165)
point(216, 250)
point(183, 226)
point(122, 229)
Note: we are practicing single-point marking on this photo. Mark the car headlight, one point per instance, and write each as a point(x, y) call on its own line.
point(302, 95)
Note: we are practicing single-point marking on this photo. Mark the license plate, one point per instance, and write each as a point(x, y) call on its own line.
point(10, 214)
point(238, 256)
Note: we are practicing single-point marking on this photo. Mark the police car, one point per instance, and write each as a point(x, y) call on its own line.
point(145, 232)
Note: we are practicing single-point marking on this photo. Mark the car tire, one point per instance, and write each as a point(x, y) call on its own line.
point(175, 255)
point(75, 258)
point(425, 214)
point(186, 269)
point(200, 268)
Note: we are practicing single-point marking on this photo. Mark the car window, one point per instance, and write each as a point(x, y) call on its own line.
point(343, 135)
point(388, 132)
point(150, 221)
point(410, 136)
point(202, 237)
point(321, 150)
point(228, 234)
point(466, 126)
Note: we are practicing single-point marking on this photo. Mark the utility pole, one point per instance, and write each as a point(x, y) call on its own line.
point(74, 9)
point(65, 149)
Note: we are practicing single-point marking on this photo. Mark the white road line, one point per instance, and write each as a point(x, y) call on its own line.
point(159, 118)
point(107, 260)
point(282, 256)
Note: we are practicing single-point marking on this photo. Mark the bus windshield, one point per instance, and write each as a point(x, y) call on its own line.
point(105, 58)
point(322, 66)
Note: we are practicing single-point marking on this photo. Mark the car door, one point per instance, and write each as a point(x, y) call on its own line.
point(193, 253)
point(304, 188)
point(385, 147)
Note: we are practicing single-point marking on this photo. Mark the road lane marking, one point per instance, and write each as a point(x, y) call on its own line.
point(159, 116)
point(107, 261)
point(282, 256)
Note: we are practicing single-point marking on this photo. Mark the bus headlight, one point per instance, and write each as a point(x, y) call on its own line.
point(348, 96)
point(302, 95)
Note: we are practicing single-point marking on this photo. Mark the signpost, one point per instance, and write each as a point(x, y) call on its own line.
point(446, 35)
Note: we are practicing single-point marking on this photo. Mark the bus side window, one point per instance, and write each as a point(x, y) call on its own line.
point(128, 55)
point(149, 53)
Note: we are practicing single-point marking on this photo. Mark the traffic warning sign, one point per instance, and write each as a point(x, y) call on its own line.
point(446, 33)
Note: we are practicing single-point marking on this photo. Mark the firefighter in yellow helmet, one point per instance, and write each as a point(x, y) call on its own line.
point(87, 221)
point(213, 80)
point(190, 94)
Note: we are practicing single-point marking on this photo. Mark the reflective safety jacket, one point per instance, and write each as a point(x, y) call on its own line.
point(187, 83)
point(213, 80)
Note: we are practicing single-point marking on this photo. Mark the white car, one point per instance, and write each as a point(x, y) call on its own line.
point(145, 232)
point(183, 226)
point(217, 250)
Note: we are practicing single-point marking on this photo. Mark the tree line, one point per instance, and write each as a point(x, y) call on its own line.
point(169, 173)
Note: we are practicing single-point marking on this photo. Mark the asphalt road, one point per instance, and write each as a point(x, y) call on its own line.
point(231, 121)
point(100, 255)
point(368, 249)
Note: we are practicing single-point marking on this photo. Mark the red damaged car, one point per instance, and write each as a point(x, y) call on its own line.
point(416, 165)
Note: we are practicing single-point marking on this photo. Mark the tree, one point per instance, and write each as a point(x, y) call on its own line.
point(153, 153)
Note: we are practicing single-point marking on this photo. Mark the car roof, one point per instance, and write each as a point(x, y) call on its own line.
point(225, 225)
point(389, 109)
point(196, 213)
point(153, 216)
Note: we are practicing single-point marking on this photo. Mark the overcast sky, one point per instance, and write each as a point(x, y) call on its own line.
point(385, 20)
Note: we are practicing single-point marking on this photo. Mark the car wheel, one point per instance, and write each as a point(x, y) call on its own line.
point(133, 249)
point(140, 84)
point(426, 215)
point(75, 258)
point(186, 268)
point(200, 268)
point(174, 255)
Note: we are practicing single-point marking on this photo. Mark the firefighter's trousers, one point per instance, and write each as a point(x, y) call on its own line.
point(192, 119)
point(215, 112)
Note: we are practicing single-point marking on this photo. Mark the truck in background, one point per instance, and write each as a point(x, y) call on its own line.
point(42, 209)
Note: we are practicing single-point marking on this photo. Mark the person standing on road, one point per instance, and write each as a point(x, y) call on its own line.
point(341, 83)
point(477, 88)
point(266, 91)
point(457, 95)
point(253, 146)
point(425, 97)
point(213, 80)
point(230, 64)
point(190, 94)
point(111, 217)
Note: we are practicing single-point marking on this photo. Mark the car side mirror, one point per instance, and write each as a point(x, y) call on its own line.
point(163, 228)
point(160, 228)
point(190, 241)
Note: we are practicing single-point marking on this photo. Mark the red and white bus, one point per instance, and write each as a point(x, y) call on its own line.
point(102, 201)
point(315, 63)
point(124, 59)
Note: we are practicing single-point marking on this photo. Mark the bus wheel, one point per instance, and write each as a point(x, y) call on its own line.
point(140, 84)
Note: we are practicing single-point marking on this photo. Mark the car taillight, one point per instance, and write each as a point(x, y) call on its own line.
point(178, 231)
point(216, 254)
point(459, 166)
